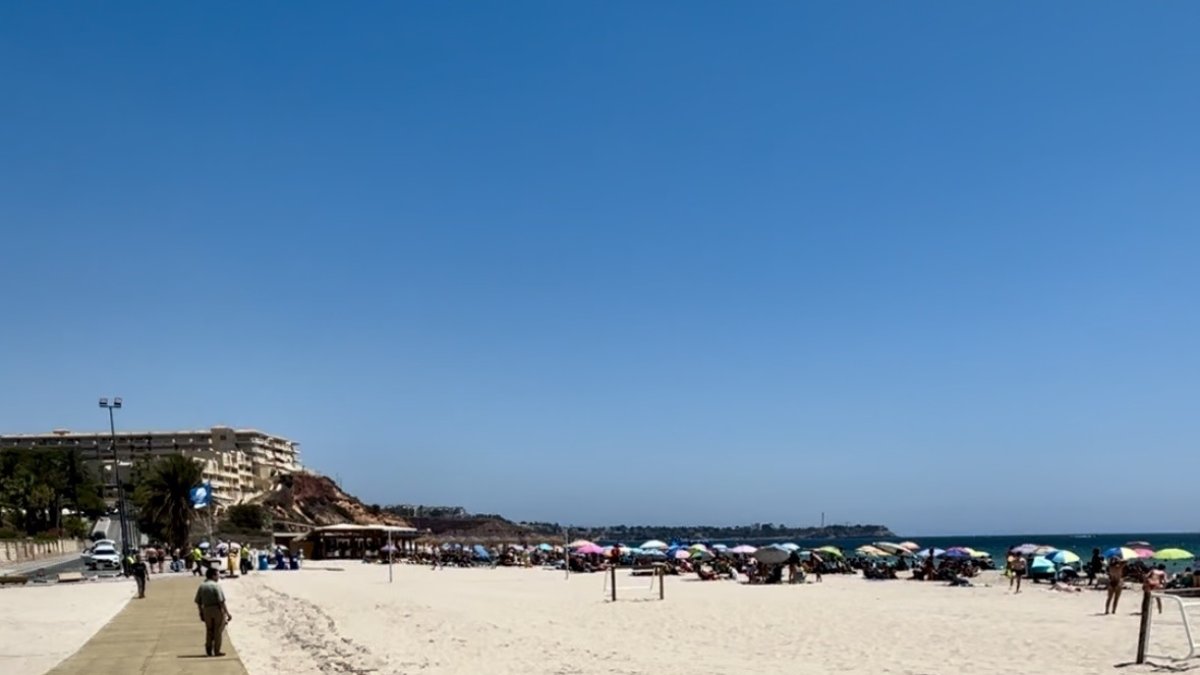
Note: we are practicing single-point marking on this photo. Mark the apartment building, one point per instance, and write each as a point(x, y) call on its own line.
point(240, 463)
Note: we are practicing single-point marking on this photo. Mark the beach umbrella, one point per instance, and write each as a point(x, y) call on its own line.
point(831, 550)
point(682, 554)
point(790, 546)
point(1144, 552)
point(1063, 557)
point(589, 549)
point(957, 552)
point(701, 554)
point(1173, 554)
point(924, 553)
point(545, 547)
point(389, 549)
point(650, 553)
point(891, 549)
point(580, 543)
point(654, 545)
point(772, 555)
point(698, 547)
point(1120, 552)
point(870, 551)
point(744, 549)
point(1138, 544)
point(910, 545)
point(979, 554)
point(720, 547)
point(1044, 551)
point(1024, 549)
point(1041, 565)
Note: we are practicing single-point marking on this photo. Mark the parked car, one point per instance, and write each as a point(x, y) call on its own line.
point(103, 557)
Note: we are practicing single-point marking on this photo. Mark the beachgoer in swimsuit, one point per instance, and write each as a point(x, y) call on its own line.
point(1156, 579)
point(1019, 566)
point(1116, 581)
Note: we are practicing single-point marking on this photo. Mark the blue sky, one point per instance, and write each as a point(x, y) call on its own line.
point(928, 265)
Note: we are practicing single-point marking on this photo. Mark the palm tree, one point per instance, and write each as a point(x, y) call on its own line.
point(163, 496)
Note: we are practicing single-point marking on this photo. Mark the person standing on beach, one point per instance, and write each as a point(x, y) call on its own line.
point(1019, 565)
point(1156, 580)
point(211, 601)
point(1094, 567)
point(1116, 583)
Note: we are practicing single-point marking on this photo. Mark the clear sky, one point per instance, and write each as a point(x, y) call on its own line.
point(935, 265)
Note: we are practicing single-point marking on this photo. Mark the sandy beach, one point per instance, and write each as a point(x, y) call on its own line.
point(532, 621)
point(42, 625)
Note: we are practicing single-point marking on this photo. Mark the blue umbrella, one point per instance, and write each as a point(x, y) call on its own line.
point(924, 553)
point(956, 553)
point(482, 552)
point(545, 547)
point(1041, 564)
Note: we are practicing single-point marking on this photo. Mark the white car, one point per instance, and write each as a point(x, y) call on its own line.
point(104, 557)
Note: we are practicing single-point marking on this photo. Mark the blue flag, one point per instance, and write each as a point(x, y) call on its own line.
point(201, 495)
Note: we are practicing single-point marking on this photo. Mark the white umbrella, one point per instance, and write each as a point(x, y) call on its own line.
point(654, 545)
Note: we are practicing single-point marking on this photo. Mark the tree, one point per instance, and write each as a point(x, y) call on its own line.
point(247, 516)
point(162, 497)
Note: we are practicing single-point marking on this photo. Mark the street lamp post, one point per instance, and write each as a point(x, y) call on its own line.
point(112, 427)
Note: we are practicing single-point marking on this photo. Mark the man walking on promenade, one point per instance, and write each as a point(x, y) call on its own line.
point(211, 601)
point(140, 572)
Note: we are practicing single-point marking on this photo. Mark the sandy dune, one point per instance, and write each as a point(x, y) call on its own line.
point(42, 625)
point(532, 621)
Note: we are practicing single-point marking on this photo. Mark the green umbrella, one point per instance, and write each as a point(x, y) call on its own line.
point(1173, 554)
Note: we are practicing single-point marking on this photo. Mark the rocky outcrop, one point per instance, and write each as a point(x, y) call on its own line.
point(303, 500)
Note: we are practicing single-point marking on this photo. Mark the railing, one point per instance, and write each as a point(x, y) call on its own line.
point(1183, 600)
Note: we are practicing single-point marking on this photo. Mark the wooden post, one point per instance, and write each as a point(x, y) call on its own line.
point(1144, 627)
point(613, 570)
point(661, 580)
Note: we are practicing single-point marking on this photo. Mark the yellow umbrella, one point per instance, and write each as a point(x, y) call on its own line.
point(831, 550)
point(1173, 554)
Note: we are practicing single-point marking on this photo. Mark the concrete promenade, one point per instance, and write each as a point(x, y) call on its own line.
point(160, 634)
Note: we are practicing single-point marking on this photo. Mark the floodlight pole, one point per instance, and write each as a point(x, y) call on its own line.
point(112, 428)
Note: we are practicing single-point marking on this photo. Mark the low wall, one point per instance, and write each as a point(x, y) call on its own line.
point(22, 550)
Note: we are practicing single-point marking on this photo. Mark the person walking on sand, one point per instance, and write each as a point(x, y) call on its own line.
point(1156, 580)
point(1019, 565)
point(1116, 582)
point(211, 601)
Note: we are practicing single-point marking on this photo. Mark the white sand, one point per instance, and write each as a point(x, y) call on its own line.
point(42, 625)
point(532, 621)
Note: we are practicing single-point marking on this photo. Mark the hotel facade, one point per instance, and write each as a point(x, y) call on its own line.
point(240, 463)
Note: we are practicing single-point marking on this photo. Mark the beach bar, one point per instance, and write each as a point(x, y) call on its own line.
point(354, 542)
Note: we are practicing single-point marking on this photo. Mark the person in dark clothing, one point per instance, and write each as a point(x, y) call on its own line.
point(140, 573)
point(1094, 566)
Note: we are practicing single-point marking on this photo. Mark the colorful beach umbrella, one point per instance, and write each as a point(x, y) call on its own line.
point(1122, 552)
point(831, 550)
point(1041, 564)
point(1173, 554)
point(870, 551)
point(1044, 551)
point(589, 549)
point(1063, 558)
point(1024, 549)
point(682, 554)
point(579, 543)
point(924, 553)
point(1144, 552)
point(698, 547)
point(956, 552)
point(772, 555)
point(891, 549)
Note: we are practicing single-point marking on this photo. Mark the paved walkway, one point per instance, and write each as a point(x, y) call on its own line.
point(160, 634)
